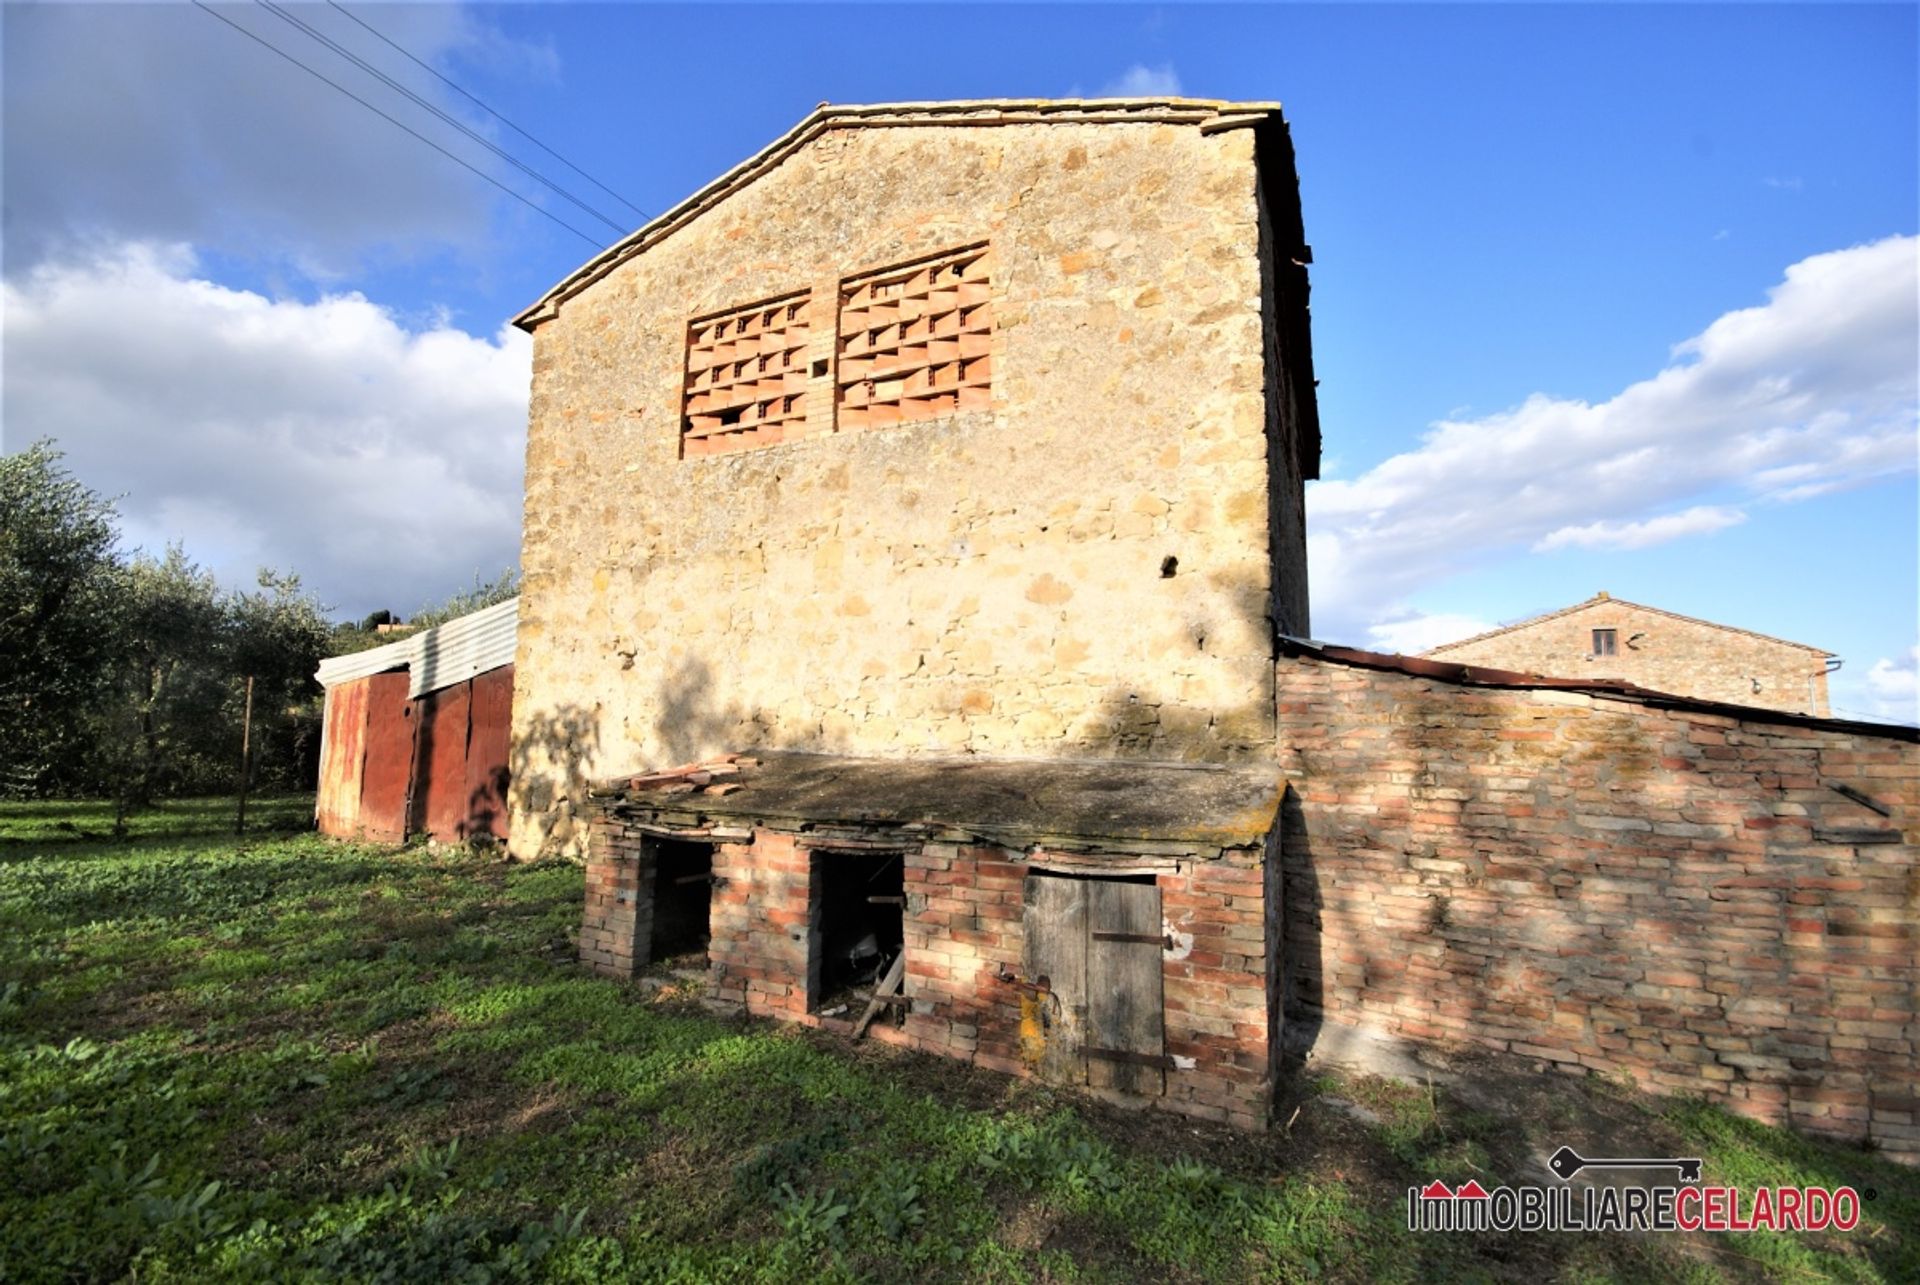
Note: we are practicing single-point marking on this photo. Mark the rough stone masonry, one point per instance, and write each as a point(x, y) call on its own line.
point(1094, 564)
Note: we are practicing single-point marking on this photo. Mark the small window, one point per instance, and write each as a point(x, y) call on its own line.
point(1605, 642)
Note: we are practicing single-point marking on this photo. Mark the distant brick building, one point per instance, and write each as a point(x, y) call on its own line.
point(1610, 638)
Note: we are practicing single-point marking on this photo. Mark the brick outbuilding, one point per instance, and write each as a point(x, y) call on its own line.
point(930, 487)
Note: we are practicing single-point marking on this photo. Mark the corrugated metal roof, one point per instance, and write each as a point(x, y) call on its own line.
point(473, 644)
point(361, 664)
point(439, 657)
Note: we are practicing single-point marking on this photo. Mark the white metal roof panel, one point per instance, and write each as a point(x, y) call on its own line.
point(439, 657)
point(473, 644)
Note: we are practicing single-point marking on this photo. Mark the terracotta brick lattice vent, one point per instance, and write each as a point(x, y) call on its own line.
point(746, 376)
point(915, 340)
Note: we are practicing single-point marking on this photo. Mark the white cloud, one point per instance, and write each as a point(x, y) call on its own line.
point(1814, 390)
point(382, 463)
point(159, 123)
point(1699, 520)
point(1894, 687)
point(1142, 81)
point(1417, 633)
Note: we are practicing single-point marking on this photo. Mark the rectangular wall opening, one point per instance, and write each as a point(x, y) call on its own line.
point(859, 914)
point(682, 900)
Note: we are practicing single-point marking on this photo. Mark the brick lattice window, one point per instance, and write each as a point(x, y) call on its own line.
point(746, 376)
point(915, 341)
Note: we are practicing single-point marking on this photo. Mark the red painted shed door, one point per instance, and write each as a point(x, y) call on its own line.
point(389, 759)
point(440, 763)
point(491, 720)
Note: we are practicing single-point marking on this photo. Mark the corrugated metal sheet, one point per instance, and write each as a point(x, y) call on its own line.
point(343, 747)
point(491, 717)
point(335, 670)
point(386, 773)
point(440, 762)
point(458, 650)
point(437, 657)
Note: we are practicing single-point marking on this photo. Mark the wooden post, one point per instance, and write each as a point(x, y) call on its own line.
point(246, 748)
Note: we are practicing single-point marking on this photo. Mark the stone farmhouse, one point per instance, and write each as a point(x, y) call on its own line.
point(1608, 637)
point(914, 623)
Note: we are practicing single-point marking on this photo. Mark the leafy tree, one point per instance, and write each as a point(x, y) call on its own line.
point(363, 635)
point(126, 676)
point(162, 711)
point(280, 632)
point(497, 590)
point(59, 577)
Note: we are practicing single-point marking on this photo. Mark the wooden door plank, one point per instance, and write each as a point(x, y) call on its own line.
point(1053, 1019)
point(1126, 1011)
point(883, 993)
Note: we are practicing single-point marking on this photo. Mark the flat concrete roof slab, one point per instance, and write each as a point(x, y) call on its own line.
point(1019, 801)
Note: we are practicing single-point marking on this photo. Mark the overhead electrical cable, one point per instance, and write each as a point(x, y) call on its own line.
point(455, 86)
point(450, 119)
point(262, 40)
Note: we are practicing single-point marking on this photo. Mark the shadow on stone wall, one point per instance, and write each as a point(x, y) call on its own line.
point(548, 781)
point(692, 721)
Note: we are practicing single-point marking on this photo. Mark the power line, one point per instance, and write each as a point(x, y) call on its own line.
point(261, 40)
point(434, 71)
point(454, 121)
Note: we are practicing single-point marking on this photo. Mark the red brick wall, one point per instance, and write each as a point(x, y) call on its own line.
point(963, 931)
point(1607, 885)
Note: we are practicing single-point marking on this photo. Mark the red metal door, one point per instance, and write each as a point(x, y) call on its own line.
point(388, 760)
point(338, 806)
point(491, 719)
point(440, 763)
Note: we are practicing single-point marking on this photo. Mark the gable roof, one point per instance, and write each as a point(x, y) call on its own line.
point(1209, 114)
point(1604, 596)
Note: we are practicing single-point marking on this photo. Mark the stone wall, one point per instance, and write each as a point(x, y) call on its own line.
point(1668, 894)
point(963, 924)
point(1084, 568)
point(1658, 650)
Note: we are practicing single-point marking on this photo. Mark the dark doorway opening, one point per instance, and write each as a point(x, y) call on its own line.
point(859, 903)
point(682, 898)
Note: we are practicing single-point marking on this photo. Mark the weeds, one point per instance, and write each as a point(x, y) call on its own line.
point(288, 1059)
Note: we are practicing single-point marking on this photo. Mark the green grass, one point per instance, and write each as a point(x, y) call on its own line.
point(281, 1058)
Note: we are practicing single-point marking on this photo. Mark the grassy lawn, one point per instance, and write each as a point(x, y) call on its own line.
point(283, 1058)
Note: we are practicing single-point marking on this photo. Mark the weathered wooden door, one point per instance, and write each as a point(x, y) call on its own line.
point(1126, 1014)
point(1053, 1002)
point(1092, 1011)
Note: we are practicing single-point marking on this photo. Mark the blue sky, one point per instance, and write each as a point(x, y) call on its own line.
point(274, 322)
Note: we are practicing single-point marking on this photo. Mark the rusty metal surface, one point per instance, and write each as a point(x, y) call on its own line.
point(337, 809)
point(388, 760)
point(440, 762)
point(490, 720)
